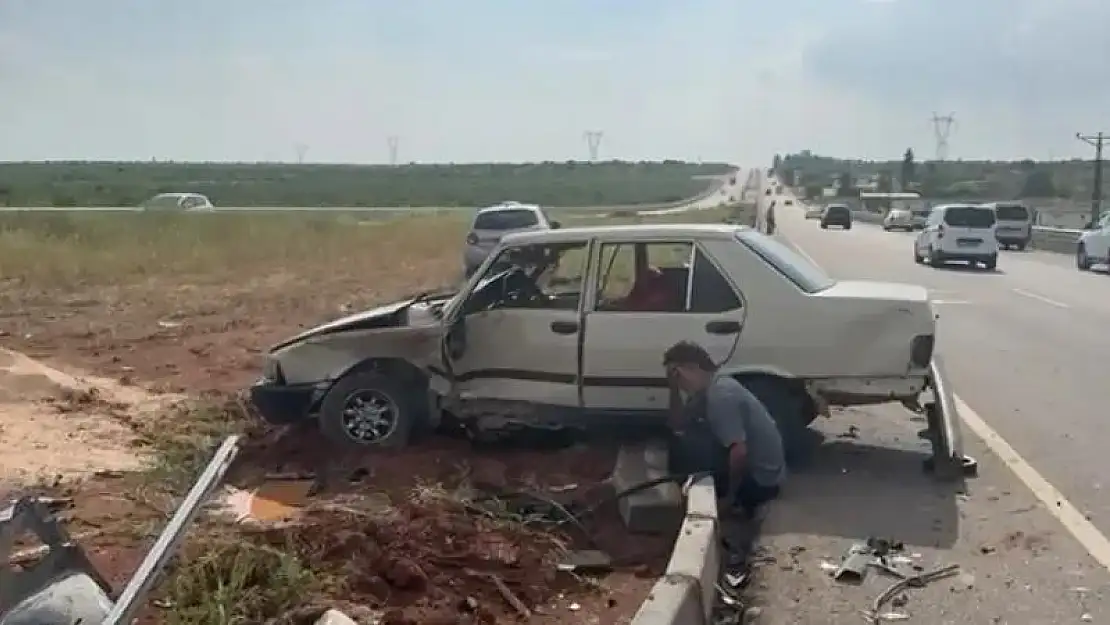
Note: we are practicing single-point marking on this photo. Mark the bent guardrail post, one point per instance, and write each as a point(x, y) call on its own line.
point(949, 461)
point(133, 596)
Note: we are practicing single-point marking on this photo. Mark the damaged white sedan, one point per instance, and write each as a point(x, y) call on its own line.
point(564, 328)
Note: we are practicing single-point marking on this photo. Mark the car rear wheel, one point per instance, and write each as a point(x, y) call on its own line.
point(791, 409)
point(917, 257)
point(935, 259)
point(1082, 261)
point(369, 409)
point(991, 264)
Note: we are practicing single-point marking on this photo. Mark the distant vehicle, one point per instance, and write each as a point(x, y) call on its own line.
point(788, 202)
point(814, 212)
point(898, 219)
point(1014, 224)
point(836, 215)
point(920, 216)
point(494, 222)
point(768, 192)
point(1094, 245)
point(177, 202)
point(958, 232)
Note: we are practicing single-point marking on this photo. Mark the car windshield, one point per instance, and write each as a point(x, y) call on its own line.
point(1011, 212)
point(797, 268)
point(838, 210)
point(969, 217)
point(506, 219)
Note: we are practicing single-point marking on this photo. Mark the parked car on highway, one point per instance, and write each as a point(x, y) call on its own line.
point(566, 328)
point(958, 232)
point(836, 215)
point(814, 211)
point(1013, 224)
point(177, 202)
point(898, 219)
point(1093, 247)
point(494, 222)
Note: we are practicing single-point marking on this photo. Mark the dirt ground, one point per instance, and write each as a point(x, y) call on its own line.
point(166, 311)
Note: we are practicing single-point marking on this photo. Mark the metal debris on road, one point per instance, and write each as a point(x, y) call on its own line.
point(875, 617)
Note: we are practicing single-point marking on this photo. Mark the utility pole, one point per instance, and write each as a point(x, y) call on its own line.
point(593, 142)
point(301, 150)
point(1097, 140)
point(942, 129)
point(393, 142)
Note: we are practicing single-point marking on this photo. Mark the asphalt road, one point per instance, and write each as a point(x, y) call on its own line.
point(1027, 346)
point(1023, 346)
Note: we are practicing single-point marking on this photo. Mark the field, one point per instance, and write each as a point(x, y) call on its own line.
point(151, 325)
point(610, 183)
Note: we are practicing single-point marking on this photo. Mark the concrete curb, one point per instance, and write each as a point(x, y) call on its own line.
point(685, 594)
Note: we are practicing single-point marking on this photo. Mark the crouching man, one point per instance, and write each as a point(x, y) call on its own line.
point(723, 428)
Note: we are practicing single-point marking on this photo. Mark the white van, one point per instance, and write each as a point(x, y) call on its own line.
point(1013, 224)
point(958, 232)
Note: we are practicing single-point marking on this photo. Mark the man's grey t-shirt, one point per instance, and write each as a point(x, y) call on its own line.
point(737, 416)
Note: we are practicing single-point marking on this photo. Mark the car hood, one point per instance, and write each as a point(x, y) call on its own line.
point(882, 291)
point(386, 316)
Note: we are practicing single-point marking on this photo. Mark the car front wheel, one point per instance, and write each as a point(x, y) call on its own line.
point(369, 409)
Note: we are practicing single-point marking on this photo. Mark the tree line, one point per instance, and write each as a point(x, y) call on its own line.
point(572, 183)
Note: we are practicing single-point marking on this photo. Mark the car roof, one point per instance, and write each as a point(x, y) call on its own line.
point(943, 207)
point(626, 232)
point(507, 206)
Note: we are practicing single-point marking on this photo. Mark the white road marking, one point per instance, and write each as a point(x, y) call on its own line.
point(1040, 298)
point(949, 302)
point(1094, 541)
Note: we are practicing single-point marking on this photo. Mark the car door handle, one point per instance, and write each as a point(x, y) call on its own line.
point(722, 327)
point(564, 327)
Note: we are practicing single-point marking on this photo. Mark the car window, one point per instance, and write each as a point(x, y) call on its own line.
point(1011, 212)
point(550, 278)
point(506, 219)
point(659, 284)
point(806, 275)
point(710, 290)
point(969, 217)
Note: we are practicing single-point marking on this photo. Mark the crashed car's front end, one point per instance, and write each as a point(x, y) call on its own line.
point(299, 371)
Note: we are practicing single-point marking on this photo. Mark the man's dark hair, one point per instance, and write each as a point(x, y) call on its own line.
point(688, 353)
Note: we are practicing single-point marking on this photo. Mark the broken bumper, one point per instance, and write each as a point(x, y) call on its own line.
point(282, 404)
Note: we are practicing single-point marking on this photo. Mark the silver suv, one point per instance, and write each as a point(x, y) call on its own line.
point(494, 222)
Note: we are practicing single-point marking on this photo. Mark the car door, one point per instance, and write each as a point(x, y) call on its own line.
point(622, 356)
point(522, 349)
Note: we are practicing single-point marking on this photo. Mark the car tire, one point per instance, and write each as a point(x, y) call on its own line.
point(1021, 246)
point(991, 264)
point(401, 406)
point(791, 409)
point(1082, 261)
point(824, 226)
point(917, 257)
point(848, 227)
point(935, 259)
point(887, 228)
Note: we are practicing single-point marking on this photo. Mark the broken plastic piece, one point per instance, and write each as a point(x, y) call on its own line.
point(856, 563)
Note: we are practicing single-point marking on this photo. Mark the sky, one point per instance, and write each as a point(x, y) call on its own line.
point(516, 80)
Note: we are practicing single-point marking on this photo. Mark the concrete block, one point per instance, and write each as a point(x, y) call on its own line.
point(72, 599)
point(654, 510)
point(674, 600)
point(334, 617)
point(701, 499)
point(697, 556)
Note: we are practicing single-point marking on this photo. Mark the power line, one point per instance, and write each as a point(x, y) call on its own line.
point(942, 130)
point(593, 142)
point(1097, 140)
point(393, 143)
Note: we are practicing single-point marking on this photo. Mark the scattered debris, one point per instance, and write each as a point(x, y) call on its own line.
point(852, 432)
point(874, 616)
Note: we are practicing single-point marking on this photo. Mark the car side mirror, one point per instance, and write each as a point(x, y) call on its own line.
point(555, 225)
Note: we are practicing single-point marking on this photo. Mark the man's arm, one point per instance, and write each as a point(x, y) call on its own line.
point(724, 411)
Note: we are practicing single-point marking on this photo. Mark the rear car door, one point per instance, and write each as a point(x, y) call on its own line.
point(626, 335)
point(505, 342)
point(969, 230)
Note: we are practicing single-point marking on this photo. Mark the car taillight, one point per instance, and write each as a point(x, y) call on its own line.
point(940, 231)
point(472, 239)
point(921, 350)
